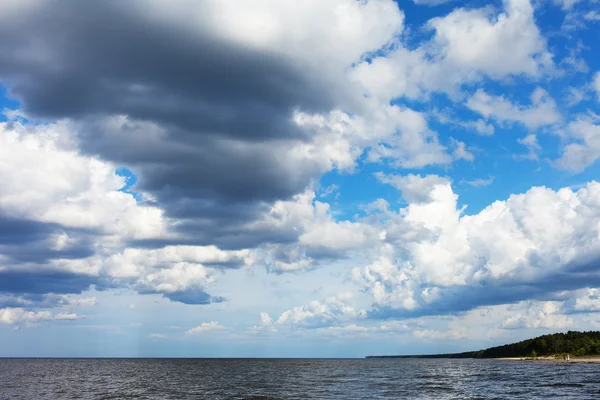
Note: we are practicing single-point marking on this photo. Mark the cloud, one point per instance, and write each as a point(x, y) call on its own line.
point(66, 317)
point(588, 301)
point(592, 16)
point(575, 96)
point(546, 315)
point(227, 114)
point(414, 188)
point(498, 45)
point(431, 3)
point(320, 238)
point(205, 327)
point(20, 316)
point(481, 127)
point(460, 151)
point(333, 311)
point(155, 99)
point(82, 194)
point(329, 190)
point(44, 300)
point(566, 4)
point(157, 336)
point(435, 260)
point(437, 335)
point(479, 182)
point(541, 112)
point(596, 84)
point(583, 147)
point(467, 45)
point(201, 97)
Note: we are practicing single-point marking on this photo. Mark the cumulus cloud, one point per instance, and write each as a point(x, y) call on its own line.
point(319, 237)
point(533, 147)
point(566, 4)
point(481, 127)
point(437, 259)
point(546, 315)
point(414, 188)
point(541, 112)
point(467, 45)
point(228, 113)
point(188, 131)
point(211, 326)
point(460, 151)
point(170, 111)
point(21, 316)
point(589, 300)
point(498, 45)
point(333, 311)
point(583, 146)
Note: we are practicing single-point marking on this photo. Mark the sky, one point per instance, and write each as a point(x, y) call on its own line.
point(318, 178)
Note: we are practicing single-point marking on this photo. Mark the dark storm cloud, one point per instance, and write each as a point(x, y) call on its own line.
point(30, 300)
point(28, 241)
point(208, 119)
point(47, 281)
point(20, 231)
point(107, 58)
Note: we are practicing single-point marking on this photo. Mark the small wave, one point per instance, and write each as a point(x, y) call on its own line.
point(564, 385)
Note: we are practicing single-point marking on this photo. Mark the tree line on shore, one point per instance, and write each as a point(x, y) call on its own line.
point(557, 344)
point(572, 342)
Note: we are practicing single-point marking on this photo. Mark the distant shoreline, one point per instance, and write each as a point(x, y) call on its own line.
point(581, 347)
point(577, 360)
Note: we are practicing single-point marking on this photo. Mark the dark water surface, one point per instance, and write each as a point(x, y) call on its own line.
point(295, 379)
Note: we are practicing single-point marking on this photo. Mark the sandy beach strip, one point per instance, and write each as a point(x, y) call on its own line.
point(578, 360)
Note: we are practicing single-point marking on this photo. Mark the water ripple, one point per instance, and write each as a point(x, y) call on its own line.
point(293, 379)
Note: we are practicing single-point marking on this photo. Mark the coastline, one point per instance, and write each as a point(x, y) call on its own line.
point(576, 360)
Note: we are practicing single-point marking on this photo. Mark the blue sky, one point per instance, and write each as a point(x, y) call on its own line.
point(297, 179)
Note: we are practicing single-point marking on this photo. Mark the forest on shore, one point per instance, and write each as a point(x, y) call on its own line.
point(557, 344)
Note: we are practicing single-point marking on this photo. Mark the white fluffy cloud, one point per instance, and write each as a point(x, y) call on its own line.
point(441, 254)
point(546, 315)
point(542, 111)
point(21, 316)
point(393, 133)
point(319, 235)
point(566, 4)
point(583, 146)
point(333, 311)
point(204, 327)
point(414, 188)
point(467, 45)
point(45, 179)
point(498, 45)
point(588, 301)
point(428, 257)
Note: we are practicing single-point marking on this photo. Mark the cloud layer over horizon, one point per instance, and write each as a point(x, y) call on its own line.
point(337, 169)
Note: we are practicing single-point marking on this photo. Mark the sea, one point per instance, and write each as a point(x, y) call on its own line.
point(255, 379)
